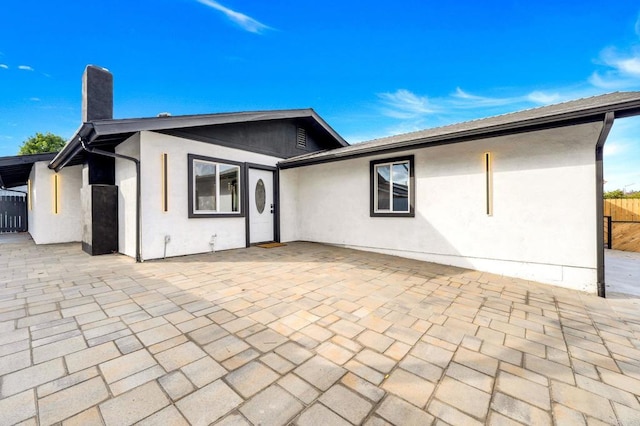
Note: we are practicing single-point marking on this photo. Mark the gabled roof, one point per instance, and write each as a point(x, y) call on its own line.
point(100, 133)
point(15, 170)
point(622, 104)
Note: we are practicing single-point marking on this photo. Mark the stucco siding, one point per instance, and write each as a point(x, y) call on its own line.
point(45, 225)
point(187, 235)
point(543, 225)
point(126, 182)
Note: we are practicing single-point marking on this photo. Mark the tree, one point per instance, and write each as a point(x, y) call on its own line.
point(619, 193)
point(616, 193)
point(41, 143)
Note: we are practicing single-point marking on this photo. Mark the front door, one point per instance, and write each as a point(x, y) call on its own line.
point(261, 214)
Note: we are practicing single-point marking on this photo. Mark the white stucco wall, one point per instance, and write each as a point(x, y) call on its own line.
point(187, 235)
point(45, 226)
point(543, 225)
point(126, 182)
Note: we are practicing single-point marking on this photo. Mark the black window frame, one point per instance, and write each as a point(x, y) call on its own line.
point(241, 178)
point(373, 187)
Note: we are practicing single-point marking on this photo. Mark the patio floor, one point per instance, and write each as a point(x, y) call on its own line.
point(622, 274)
point(304, 334)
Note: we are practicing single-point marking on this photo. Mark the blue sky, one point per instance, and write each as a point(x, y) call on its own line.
point(371, 69)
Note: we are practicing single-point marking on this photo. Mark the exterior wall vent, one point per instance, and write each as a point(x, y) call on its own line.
point(301, 140)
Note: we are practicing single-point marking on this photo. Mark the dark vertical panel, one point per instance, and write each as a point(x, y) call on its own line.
point(104, 220)
point(13, 213)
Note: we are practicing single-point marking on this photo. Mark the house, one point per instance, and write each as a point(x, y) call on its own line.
point(518, 194)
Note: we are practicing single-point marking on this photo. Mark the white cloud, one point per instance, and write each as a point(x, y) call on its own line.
point(34, 99)
point(621, 67)
point(612, 149)
point(462, 99)
point(629, 66)
point(25, 67)
point(404, 104)
point(4, 66)
point(244, 21)
point(543, 98)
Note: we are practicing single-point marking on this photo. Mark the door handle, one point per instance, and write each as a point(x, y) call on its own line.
point(271, 208)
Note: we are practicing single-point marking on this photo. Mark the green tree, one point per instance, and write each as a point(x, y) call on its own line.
point(619, 193)
point(41, 143)
point(616, 193)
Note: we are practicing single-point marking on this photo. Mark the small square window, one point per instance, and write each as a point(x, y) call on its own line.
point(214, 187)
point(392, 187)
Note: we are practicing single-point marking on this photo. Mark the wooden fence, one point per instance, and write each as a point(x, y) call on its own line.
point(622, 209)
point(13, 213)
point(625, 223)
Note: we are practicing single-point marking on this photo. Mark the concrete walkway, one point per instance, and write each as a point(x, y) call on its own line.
point(303, 334)
point(622, 273)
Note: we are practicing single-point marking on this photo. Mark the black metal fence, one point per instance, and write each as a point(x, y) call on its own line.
point(607, 232)
point(13, 213)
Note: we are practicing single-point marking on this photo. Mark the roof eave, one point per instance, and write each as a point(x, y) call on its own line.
point(91, 131)
point(72, 147)
point(622, 109)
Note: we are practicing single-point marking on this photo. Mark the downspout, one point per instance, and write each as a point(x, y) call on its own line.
point(138, 185)
point(606, 127)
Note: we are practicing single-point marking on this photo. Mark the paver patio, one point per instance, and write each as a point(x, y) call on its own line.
point(305, 334)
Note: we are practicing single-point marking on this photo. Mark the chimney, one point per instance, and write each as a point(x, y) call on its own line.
point(97, 94)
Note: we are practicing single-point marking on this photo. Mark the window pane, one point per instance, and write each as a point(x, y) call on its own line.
point(229, 188)
point(205, 186)
point(401, 187)
point(383, 187)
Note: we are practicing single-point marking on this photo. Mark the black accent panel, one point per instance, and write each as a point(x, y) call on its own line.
point(104, 220)
point(275, 138)
point(102, 170)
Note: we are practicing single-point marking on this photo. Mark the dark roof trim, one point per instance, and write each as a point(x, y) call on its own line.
point(26, 159)
point(519, 122)
point(14, 170)
point(93, 130)
point(332, 156)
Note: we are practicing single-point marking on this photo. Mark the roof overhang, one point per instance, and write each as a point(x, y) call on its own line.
point(594, 109)
point(15, 170)
point(110, 133)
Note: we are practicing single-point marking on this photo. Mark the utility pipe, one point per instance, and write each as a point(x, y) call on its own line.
point(138, 185)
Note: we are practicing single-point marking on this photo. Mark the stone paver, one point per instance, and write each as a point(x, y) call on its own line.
point(70, 401)
point(303, 334)
point(318, 414)
point(271, 407)
point(320, 372)
point(209, 403)
point(346, 403)
point(134, 405)
point(251, 378)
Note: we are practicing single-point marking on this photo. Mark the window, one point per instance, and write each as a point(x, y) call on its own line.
point(214, 187)
point(392, 187)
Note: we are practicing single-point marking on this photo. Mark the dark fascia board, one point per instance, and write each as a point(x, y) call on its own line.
point(414, 140)
point(132, 125)
point(91, 131)
point(26, 159)
point(72, 148)
point(14, 170)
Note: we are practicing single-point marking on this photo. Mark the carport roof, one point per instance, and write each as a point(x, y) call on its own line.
point(15, 170)
point(622, 104)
